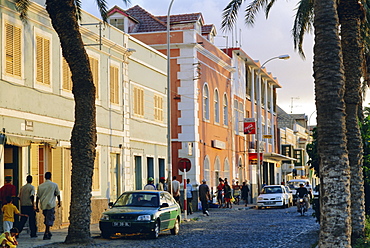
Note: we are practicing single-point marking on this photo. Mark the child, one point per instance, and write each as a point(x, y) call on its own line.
point(8, 214)
point(8, 239)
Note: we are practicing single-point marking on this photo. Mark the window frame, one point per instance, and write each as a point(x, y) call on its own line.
point(206, 114)
point(45, 36)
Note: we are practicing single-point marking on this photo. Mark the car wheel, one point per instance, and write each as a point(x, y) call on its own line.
point(155, 233)
point(176, 228)
point(106, 235)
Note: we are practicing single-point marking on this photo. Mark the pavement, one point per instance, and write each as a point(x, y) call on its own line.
point(59, 235)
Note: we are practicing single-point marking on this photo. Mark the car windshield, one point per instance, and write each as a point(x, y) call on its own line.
point(137, 199)
point(271, 190)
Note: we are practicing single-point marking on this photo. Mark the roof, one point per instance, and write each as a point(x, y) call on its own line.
point(206, 29)
point(147, 21)
point(182, 18)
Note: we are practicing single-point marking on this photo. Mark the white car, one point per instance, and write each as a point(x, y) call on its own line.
point(273, 196)
point(294, 185)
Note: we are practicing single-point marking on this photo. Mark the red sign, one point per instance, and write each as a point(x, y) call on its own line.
point(184, 163)
point(250, 127)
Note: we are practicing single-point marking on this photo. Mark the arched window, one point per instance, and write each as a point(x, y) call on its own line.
point(217, 171)
point(205, 102)
point(226, 168)
point(217, 107)
point(225, 111)
point(206, 169)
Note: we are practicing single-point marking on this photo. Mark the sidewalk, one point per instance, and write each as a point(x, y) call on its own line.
point(60, 235)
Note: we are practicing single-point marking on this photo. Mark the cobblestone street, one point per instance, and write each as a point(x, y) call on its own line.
point(235, 227)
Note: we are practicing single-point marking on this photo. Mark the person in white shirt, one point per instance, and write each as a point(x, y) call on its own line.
point(46, 194)
point(176, 190)
point(189, 196)
point(150, 185)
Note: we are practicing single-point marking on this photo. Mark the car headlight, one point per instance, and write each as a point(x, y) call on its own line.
point(144, 217)
point(260, 198)
point(301, 200)
point(278, 198)
point(104, 217)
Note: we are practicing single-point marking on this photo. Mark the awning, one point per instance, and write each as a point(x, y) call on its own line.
point(277, 156)
point(20, 140)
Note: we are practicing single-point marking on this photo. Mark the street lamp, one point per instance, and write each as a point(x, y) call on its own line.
point(258, 131)
point(169, 150)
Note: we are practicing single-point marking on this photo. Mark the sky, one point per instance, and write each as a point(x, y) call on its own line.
point(266, 39)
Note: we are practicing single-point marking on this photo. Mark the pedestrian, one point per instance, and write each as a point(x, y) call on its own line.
point(220, 188)
point(236, 192)
point(46, 194)
point(27, 199)
point(8, 239)
point(7, 190)
point(309, 189)
point(204, 196)
point(227, 195)
point(9, 210)
point(189, 196)
point(176, 190)
point(162, 185)
point(150, 185)
point(263, 184)
point(245, 193)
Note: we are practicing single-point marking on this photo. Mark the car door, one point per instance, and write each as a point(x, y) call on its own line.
point(164, 212)
point(174, 209)
point(285, 196)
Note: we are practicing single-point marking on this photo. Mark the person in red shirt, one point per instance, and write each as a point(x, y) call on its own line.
point(7, 190)
point(220, 189)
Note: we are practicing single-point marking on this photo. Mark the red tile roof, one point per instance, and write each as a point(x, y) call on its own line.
point(206, 29)
point(147, 22)
point(182, 18)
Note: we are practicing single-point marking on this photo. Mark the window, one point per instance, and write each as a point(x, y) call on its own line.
point(114, 86)
point(236, 115)
point(42, 60)
point(205, 102)
point(96, 176)
point(241, 116)
point(67, 76)
point(225, 111)
point(94, 64)
point(217, 107)
point(206, 169)
point(118, 23)
point(13, 51)
point(138, 101)
point(158, 108)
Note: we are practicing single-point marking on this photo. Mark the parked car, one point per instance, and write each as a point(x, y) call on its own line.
point(294, 185)
point(273, 196)
point(141, 212)
point(289, 192)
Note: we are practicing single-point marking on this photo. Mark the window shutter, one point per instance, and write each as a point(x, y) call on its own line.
point(35, 164)
point(67, 80)
point(94, 65)
point(114, 96)
point(46, 61)
point(17, 52)
point(57, 166)
point(39, 67)
point(135, 101)
point(13, 50)
point(96, 175)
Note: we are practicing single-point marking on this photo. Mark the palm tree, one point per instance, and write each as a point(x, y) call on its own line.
point(330, 105)
point(64, 15)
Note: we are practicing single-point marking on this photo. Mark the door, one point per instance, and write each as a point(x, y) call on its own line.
point(165, 213)
point(138, 173)
point(114, 175)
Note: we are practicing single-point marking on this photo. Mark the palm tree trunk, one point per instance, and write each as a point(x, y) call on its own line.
point(349, 16)
point(335, 228)
point(83, 139)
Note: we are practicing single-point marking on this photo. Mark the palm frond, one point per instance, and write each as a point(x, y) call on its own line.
point(230, 13)
point(78, 9)
point(303, 23)
point(268, 8)
point(252, 10)
point(22, 8)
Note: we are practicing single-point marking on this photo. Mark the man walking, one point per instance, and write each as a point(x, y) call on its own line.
point(27, 199)
point(7, 190)
point(176, 190)
point(204, 196)
point(46, 194)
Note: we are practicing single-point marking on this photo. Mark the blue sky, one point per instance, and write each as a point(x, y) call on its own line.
point(266, 39)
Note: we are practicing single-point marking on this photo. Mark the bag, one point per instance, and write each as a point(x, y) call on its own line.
point(232, 199)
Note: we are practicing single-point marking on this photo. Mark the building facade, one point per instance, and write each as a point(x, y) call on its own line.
point(37, 105)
